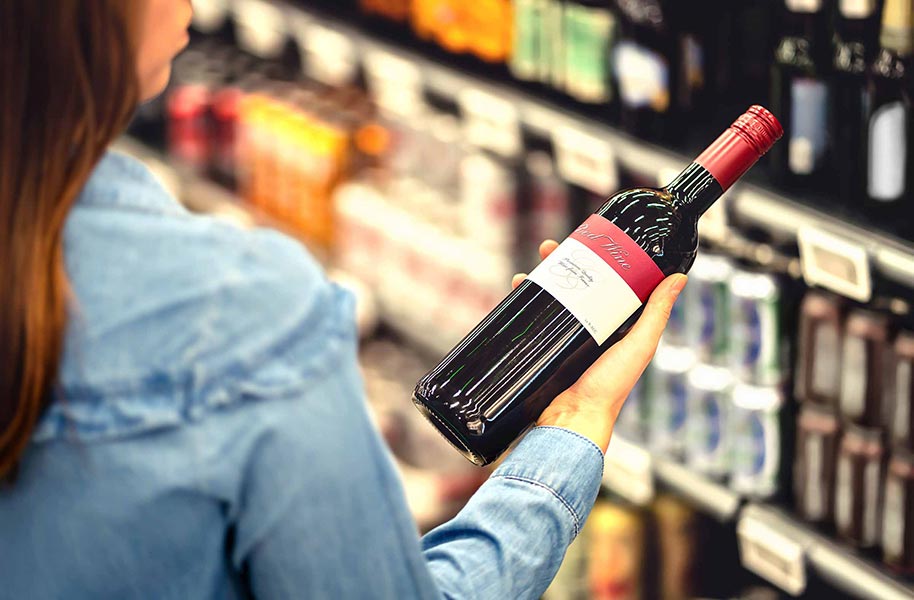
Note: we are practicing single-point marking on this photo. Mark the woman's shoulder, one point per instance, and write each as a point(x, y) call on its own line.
point(174, 313)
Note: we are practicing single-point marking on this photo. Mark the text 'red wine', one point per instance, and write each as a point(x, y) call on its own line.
point(582, 299)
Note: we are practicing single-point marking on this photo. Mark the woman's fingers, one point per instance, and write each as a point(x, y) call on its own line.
point(547, 247)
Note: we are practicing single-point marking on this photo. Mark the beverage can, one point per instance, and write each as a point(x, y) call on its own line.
point(819, 349)
point(706, 301)
point(707, 445)
point(863, 367)
point(898, 513)
point(755, 429)
point(756, 348)
point(900, 391)
point(667, 397)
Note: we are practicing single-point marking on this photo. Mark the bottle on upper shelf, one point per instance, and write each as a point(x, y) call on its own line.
point(889, 198)
point(855, 47)
point(659, 64)
point(800, 96)
point(589, 30)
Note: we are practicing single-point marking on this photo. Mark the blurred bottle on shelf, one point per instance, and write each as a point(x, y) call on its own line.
point(531, 57)
point(863, 367)
point(818, 433)
point(644, 67)
point(622, 552)
point(589, 32)
point(855, 47)
point(819, 346)
point(858, 486)
point(800, 96)
point(899, 393)
point(680, 536)
point(889, 159)
point(898, 513)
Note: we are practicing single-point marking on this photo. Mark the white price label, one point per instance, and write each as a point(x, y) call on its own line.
point(772, 554)
point(209, 15)
point(585, 160)
point(261, 26)
point(329, 56)
point(836, 263)
point(628, 471)
point(394, 82)
point(490, 122)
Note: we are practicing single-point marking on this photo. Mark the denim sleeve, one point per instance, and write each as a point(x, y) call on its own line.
point(323, 515)
point(509, 541)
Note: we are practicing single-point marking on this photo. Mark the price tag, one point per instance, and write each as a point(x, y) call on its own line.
point(775, 556)
point(328, 55)
point(490, 122)
point(585, 160)
point(394, 82)
point(628, 471)
point(209, 15)
point(836, 263)
point(261, 27)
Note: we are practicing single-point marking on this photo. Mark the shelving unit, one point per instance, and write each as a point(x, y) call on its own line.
point(835, 254)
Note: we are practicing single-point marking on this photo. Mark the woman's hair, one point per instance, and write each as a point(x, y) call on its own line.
point(68, 86)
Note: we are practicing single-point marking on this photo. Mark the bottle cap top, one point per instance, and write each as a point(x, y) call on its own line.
point(759, 128)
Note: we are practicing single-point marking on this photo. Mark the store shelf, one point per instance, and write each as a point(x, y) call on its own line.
point(631, 472)
point(784, 550)
point(783, 218)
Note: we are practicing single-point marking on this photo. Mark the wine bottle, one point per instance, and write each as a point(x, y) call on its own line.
point(580, 300)
point(888, 122)
point(644, 66)
point(856, 45)
point(800, 96)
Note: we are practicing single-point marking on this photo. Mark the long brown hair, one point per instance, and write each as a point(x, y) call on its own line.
point(68, 86)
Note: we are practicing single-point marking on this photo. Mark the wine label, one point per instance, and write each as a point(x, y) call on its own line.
point(643, 77)
point(901, 424)
point(853, 377)
point(888, 152)
point(600, 275)
point(808, 125)
point(893, 521)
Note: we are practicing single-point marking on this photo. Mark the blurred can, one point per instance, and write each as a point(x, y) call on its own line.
point(667, 391)
point(706, 305)
point(818, 433)
point(707, 444)
point(757, 352)
point(858, 486)
point(755, 429)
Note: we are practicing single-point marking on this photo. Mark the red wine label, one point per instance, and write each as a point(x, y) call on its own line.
point(600, 275)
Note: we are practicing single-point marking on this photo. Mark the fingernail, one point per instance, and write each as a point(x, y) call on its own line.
point(679, 282)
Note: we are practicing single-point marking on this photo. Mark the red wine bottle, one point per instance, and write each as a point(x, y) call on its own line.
point(580, 300)
point(799, 95)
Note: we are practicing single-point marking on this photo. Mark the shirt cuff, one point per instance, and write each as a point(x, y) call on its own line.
point(569, 465)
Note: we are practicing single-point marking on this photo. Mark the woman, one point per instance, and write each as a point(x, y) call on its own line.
point(181, 414)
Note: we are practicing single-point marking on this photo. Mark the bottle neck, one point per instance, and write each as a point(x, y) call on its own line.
point(694, 190)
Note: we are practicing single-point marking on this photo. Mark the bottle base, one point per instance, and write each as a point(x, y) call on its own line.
point(449, 433)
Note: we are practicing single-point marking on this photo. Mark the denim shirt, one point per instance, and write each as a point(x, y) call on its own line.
point(209, 437)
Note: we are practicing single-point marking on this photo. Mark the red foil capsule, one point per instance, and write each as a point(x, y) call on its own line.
point(741, 145)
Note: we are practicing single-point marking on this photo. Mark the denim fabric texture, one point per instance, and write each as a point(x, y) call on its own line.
point(210, 438)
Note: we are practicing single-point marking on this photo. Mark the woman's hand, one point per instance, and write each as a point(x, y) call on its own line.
point(590, 406)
